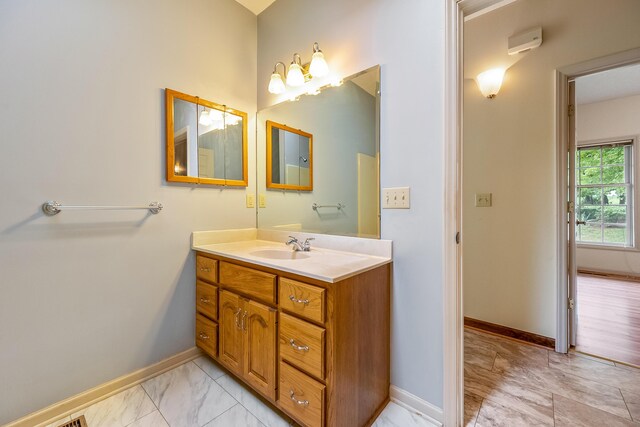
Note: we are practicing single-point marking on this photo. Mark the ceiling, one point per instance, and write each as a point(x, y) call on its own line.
point(616, 83)
point(256, 6)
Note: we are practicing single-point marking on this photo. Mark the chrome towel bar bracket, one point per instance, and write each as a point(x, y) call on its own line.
point(53, 208)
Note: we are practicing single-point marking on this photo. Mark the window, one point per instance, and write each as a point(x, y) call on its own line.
point(604, 194)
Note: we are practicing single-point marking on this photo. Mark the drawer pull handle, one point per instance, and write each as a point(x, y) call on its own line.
point(203, 336)
point(295, 399)
point(298, 347)
point(299, 301)
point(205, 269)
point(204, 300)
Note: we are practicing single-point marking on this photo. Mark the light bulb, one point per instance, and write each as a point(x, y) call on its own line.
point(232, 119)
point(318, 67)
point(295, 76)
point(205, 118)
point(276, 85)
point(490, 81)
point(336, 81)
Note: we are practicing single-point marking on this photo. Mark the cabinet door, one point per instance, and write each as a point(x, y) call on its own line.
point(260, 347)
point(230, 331)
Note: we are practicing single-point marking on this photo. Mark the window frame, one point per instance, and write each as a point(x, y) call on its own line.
point(634, 216)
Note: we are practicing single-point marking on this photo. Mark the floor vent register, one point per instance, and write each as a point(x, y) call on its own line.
point(76, 422)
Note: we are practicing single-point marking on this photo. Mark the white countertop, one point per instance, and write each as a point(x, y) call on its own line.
point(328, 265)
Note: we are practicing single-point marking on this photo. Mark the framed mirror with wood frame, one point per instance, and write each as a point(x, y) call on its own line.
point(206, 141)
point(289, 158)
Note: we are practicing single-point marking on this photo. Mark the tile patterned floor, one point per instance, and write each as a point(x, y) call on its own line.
point(508, 383)
point(201, 394)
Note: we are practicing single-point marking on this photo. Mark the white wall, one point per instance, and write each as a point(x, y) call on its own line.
point(342, 122)
point(407, 39)
point(510, 255)
point(601, 120)
point(88, 296)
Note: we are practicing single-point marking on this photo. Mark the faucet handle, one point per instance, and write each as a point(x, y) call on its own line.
point(293, 239)
point(306, 246)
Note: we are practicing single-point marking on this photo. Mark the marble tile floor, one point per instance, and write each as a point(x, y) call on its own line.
point(201, 394)
point(510, 383)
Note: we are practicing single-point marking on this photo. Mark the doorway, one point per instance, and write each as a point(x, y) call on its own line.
point(604, 279)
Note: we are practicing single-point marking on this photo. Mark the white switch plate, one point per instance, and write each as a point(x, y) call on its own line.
point(483, 200)
point(251, 200)
point(396, 198)
point(262, 201)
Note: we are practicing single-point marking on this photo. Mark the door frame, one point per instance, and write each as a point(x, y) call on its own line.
point(564, 275)
point(453, 374)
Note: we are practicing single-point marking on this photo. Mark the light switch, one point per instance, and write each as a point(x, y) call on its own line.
point(251, 200)
point(262, 201)
point(396, 198)
point(483, 200)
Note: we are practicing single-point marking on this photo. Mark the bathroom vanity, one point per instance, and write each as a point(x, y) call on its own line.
point(308, 331)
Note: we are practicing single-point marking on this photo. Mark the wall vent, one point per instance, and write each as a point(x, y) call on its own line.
point(76, 422)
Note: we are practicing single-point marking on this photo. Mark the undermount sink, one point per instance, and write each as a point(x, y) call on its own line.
point(279, 254)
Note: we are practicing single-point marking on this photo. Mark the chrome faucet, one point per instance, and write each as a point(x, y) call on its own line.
point(297, 246)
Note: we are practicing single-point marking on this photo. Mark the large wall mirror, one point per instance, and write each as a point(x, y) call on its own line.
point(206, 142)
point(289, 158)
point(342, 163)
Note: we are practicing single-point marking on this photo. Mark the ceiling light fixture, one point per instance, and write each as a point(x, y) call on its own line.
point(298, 73)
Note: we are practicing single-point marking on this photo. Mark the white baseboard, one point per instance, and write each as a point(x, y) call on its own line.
point(416, 404)
point(86, 398)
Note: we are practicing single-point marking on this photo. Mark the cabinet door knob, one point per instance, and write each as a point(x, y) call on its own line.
point(299, 301)
point(298, 347)
point(237, 316)
point(205, 269)
point(203, 336)
point(244, 318)
point(295, 399)
point(204, 300)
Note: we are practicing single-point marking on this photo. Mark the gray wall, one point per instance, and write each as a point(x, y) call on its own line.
point(407, 39)
point(88, 296)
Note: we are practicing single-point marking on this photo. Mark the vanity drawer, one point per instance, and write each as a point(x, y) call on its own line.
point(206, 268)
point(303, 300)
point(207, 335)
point(302, 345)
point(248, 281)
point(207, 299)
point(301, 396)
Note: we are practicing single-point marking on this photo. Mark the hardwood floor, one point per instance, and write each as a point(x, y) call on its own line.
point(512, 383)
point(609, 318)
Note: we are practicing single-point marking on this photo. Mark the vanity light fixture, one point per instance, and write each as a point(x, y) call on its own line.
point(298, 73)
point(490, 81)
point(217, 119)
point(318, 66)
point(276, 85)
point(295, 77)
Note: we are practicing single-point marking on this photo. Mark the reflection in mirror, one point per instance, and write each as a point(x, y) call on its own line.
point(289, 158)
point(206, 142)
point(344, 172)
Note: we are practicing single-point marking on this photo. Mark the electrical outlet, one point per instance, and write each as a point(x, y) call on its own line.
point(483, 200)
point(262, 201)
point(396, 198)
point(251, 200)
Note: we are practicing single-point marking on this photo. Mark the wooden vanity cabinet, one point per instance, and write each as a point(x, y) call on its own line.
point(248, 341)
point(318, 351)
